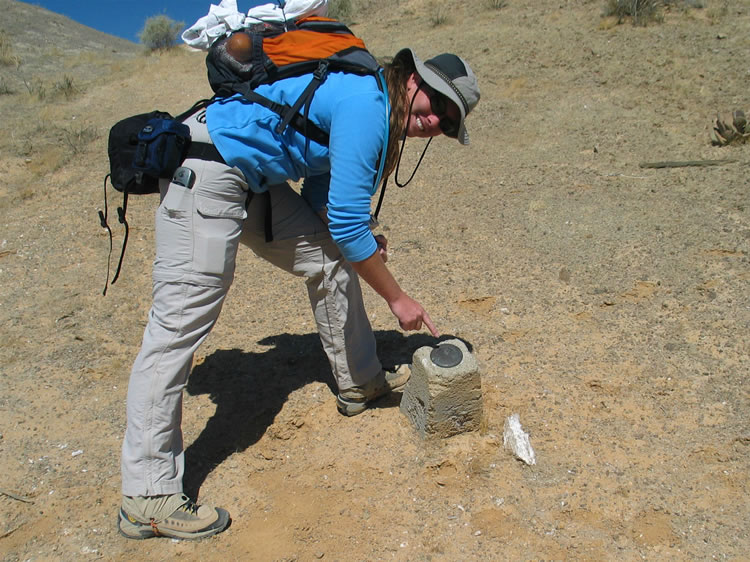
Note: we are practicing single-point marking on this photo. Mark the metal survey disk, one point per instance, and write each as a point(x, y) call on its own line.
point(446, 355)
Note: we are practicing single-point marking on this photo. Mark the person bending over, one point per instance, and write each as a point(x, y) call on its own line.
point(321, 234)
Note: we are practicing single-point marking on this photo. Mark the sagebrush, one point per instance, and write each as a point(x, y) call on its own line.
point(160, 32)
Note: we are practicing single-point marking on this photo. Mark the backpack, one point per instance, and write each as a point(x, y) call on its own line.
point(266, 52)
point(143, 149)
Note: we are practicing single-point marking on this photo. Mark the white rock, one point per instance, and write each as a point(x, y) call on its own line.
point(517, 440)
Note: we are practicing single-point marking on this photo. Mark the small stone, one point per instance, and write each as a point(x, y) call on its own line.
point(517, 440)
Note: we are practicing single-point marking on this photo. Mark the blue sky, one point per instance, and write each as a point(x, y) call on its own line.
point(125, 18)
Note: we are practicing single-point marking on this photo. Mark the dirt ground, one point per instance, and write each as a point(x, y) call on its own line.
point(607, 304)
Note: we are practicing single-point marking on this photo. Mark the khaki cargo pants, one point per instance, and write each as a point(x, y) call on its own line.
point(198, 231)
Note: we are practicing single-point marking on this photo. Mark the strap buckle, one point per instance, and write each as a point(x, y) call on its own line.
point(321, 71)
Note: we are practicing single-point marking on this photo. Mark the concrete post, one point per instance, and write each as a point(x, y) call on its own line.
point(444, 394)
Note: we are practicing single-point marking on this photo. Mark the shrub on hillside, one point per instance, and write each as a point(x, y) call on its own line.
point(160, 32)
point(66, 87)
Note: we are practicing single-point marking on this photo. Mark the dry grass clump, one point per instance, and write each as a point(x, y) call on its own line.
point(496, 4)
point(7, 55)
point(640, 12)
point(438, 14)
point(366, 8)
point(341, 10)
point(62, 88)
point(79, 137)
point(35, 87)
point(48, 146)
point(5, 89)
point(643, 12)
point(725, 132)
point(717, 10)
point(66, 87)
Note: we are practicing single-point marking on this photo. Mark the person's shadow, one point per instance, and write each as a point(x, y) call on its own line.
point(249, 390)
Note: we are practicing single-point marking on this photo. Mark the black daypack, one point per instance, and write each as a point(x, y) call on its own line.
point(143, 149)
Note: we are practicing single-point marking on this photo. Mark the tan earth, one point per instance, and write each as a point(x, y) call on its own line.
point(607, 304)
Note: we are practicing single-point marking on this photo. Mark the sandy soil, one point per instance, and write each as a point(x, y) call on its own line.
point(607, 304)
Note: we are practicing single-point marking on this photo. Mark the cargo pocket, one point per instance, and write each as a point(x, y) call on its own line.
point(218, 224)
point(174, 234)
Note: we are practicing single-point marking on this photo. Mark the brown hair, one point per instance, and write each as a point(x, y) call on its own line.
point(397, 72)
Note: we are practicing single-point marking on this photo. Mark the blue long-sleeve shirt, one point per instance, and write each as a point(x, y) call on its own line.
point(352, 109)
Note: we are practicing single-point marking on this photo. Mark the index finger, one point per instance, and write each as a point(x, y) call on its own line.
point(430, 326)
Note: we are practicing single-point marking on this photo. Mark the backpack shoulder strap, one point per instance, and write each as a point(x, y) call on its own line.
point(305, 98)
point(196, 107)
point(293, 118)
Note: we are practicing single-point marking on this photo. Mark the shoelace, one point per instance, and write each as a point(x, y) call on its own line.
point(190, 507)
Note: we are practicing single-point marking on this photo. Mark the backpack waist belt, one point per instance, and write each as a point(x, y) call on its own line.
point(204, 151)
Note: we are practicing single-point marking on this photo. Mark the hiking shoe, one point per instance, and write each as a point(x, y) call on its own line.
point(175, 516)
point(355, 400)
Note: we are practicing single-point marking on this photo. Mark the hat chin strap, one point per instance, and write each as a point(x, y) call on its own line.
point(403, 144)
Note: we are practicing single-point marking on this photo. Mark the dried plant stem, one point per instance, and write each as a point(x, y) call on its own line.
point(684, 164)
point(16, 496)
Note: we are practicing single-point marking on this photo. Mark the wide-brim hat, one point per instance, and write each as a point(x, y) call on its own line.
point(451, 76)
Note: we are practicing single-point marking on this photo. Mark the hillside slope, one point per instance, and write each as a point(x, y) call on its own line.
point(606, 303)
point(45, 41)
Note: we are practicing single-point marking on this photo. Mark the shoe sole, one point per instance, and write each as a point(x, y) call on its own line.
point(348, 408)
point(140, 531)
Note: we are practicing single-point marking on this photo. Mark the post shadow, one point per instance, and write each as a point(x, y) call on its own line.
point(249, 390)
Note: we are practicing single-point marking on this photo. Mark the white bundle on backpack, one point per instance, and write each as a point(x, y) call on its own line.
point(225, 17)
point(219, 20)
point(293, 9)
